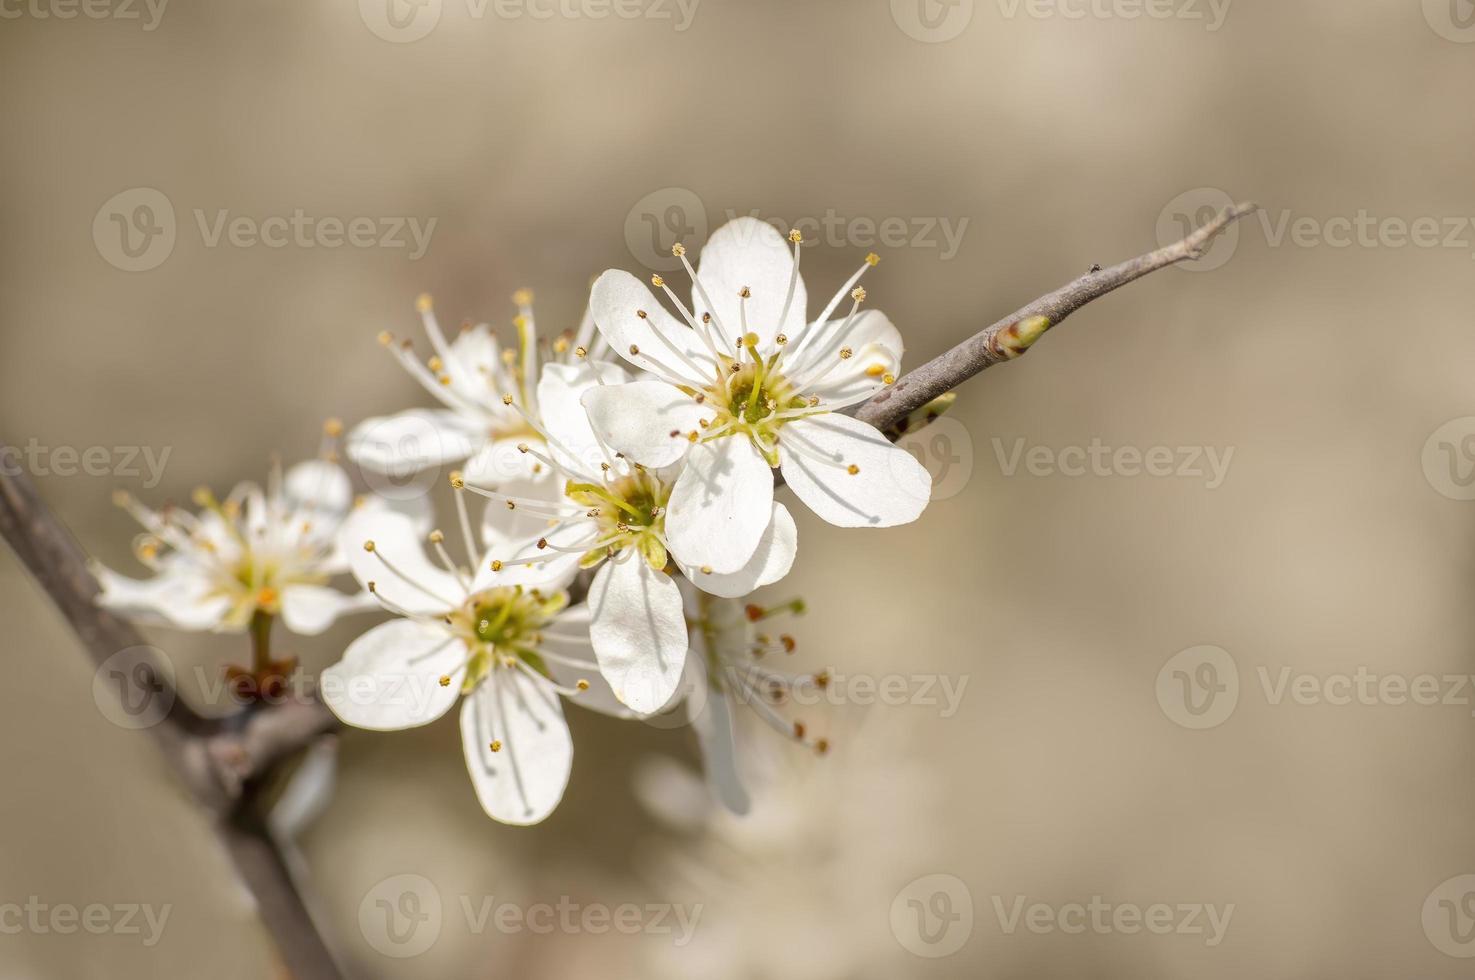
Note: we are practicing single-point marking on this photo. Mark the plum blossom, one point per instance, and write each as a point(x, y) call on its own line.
point(507, 651)
point(611, 516)
point(468, 377)
point(256, 553)
point(741, 385)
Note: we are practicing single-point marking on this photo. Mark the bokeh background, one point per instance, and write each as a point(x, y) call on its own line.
point(1337, 371)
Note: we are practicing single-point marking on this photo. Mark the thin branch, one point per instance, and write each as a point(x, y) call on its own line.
point(218, 768)
point(1012, 336)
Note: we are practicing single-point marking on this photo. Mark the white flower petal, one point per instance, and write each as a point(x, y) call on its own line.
point(389, 678)
point(889, 487)
point(660, 342)
point(711, 717)
point(876, 350)
point(308, 610)
point(501, 460)
point(418, 439)
point(639, 632)
point(522, 562)
point(720, 505)
point(567, 638)
point(398, 566)
point(318, 485)
point(770, 562)
point(502, 526)
point(648, 421)
point(522, 782)
point(559, 400)
point(749, 252)
point(178, 597)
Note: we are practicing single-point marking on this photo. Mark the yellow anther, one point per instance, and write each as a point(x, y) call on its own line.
point(692, 436)
point(435, 364)
point(496, 565)
point(496, 745)
point(560, 345)
point(634, 350)
point(520, 322)
point(745, 292)
point(846, 353)
point(581, 352)
point(781, 339)
point(796, 236)
point(706, 569)
point(523, 297)
point(423, 303)
point(888, 379)
point(122, 498)
point(369, 546)
point(750, 340)
point(506, 399)
point(873, 260)
point(858, 294)
point(678, 250)
point(333, 428)
point(203, 497)
point(542, 543)
point(512, 505)
point(852, 469)
point(372, 587)
point(457, 480)
point(642, 314)
point(875, 370)
point(657, 281)
point(266, 597)
point(582, 685)
point(445, 680)
point(385, 338)
point(523, 447)
point(436, 537)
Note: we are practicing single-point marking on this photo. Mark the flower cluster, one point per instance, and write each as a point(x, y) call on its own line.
point(628, 473)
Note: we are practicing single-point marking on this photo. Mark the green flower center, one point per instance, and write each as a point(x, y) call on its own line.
point(630, 512)
point(501, 625)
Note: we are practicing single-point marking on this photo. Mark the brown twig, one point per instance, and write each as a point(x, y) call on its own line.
point(218, 767)
point(1012, 336)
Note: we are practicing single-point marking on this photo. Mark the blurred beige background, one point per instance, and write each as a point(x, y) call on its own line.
point(536, 145)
